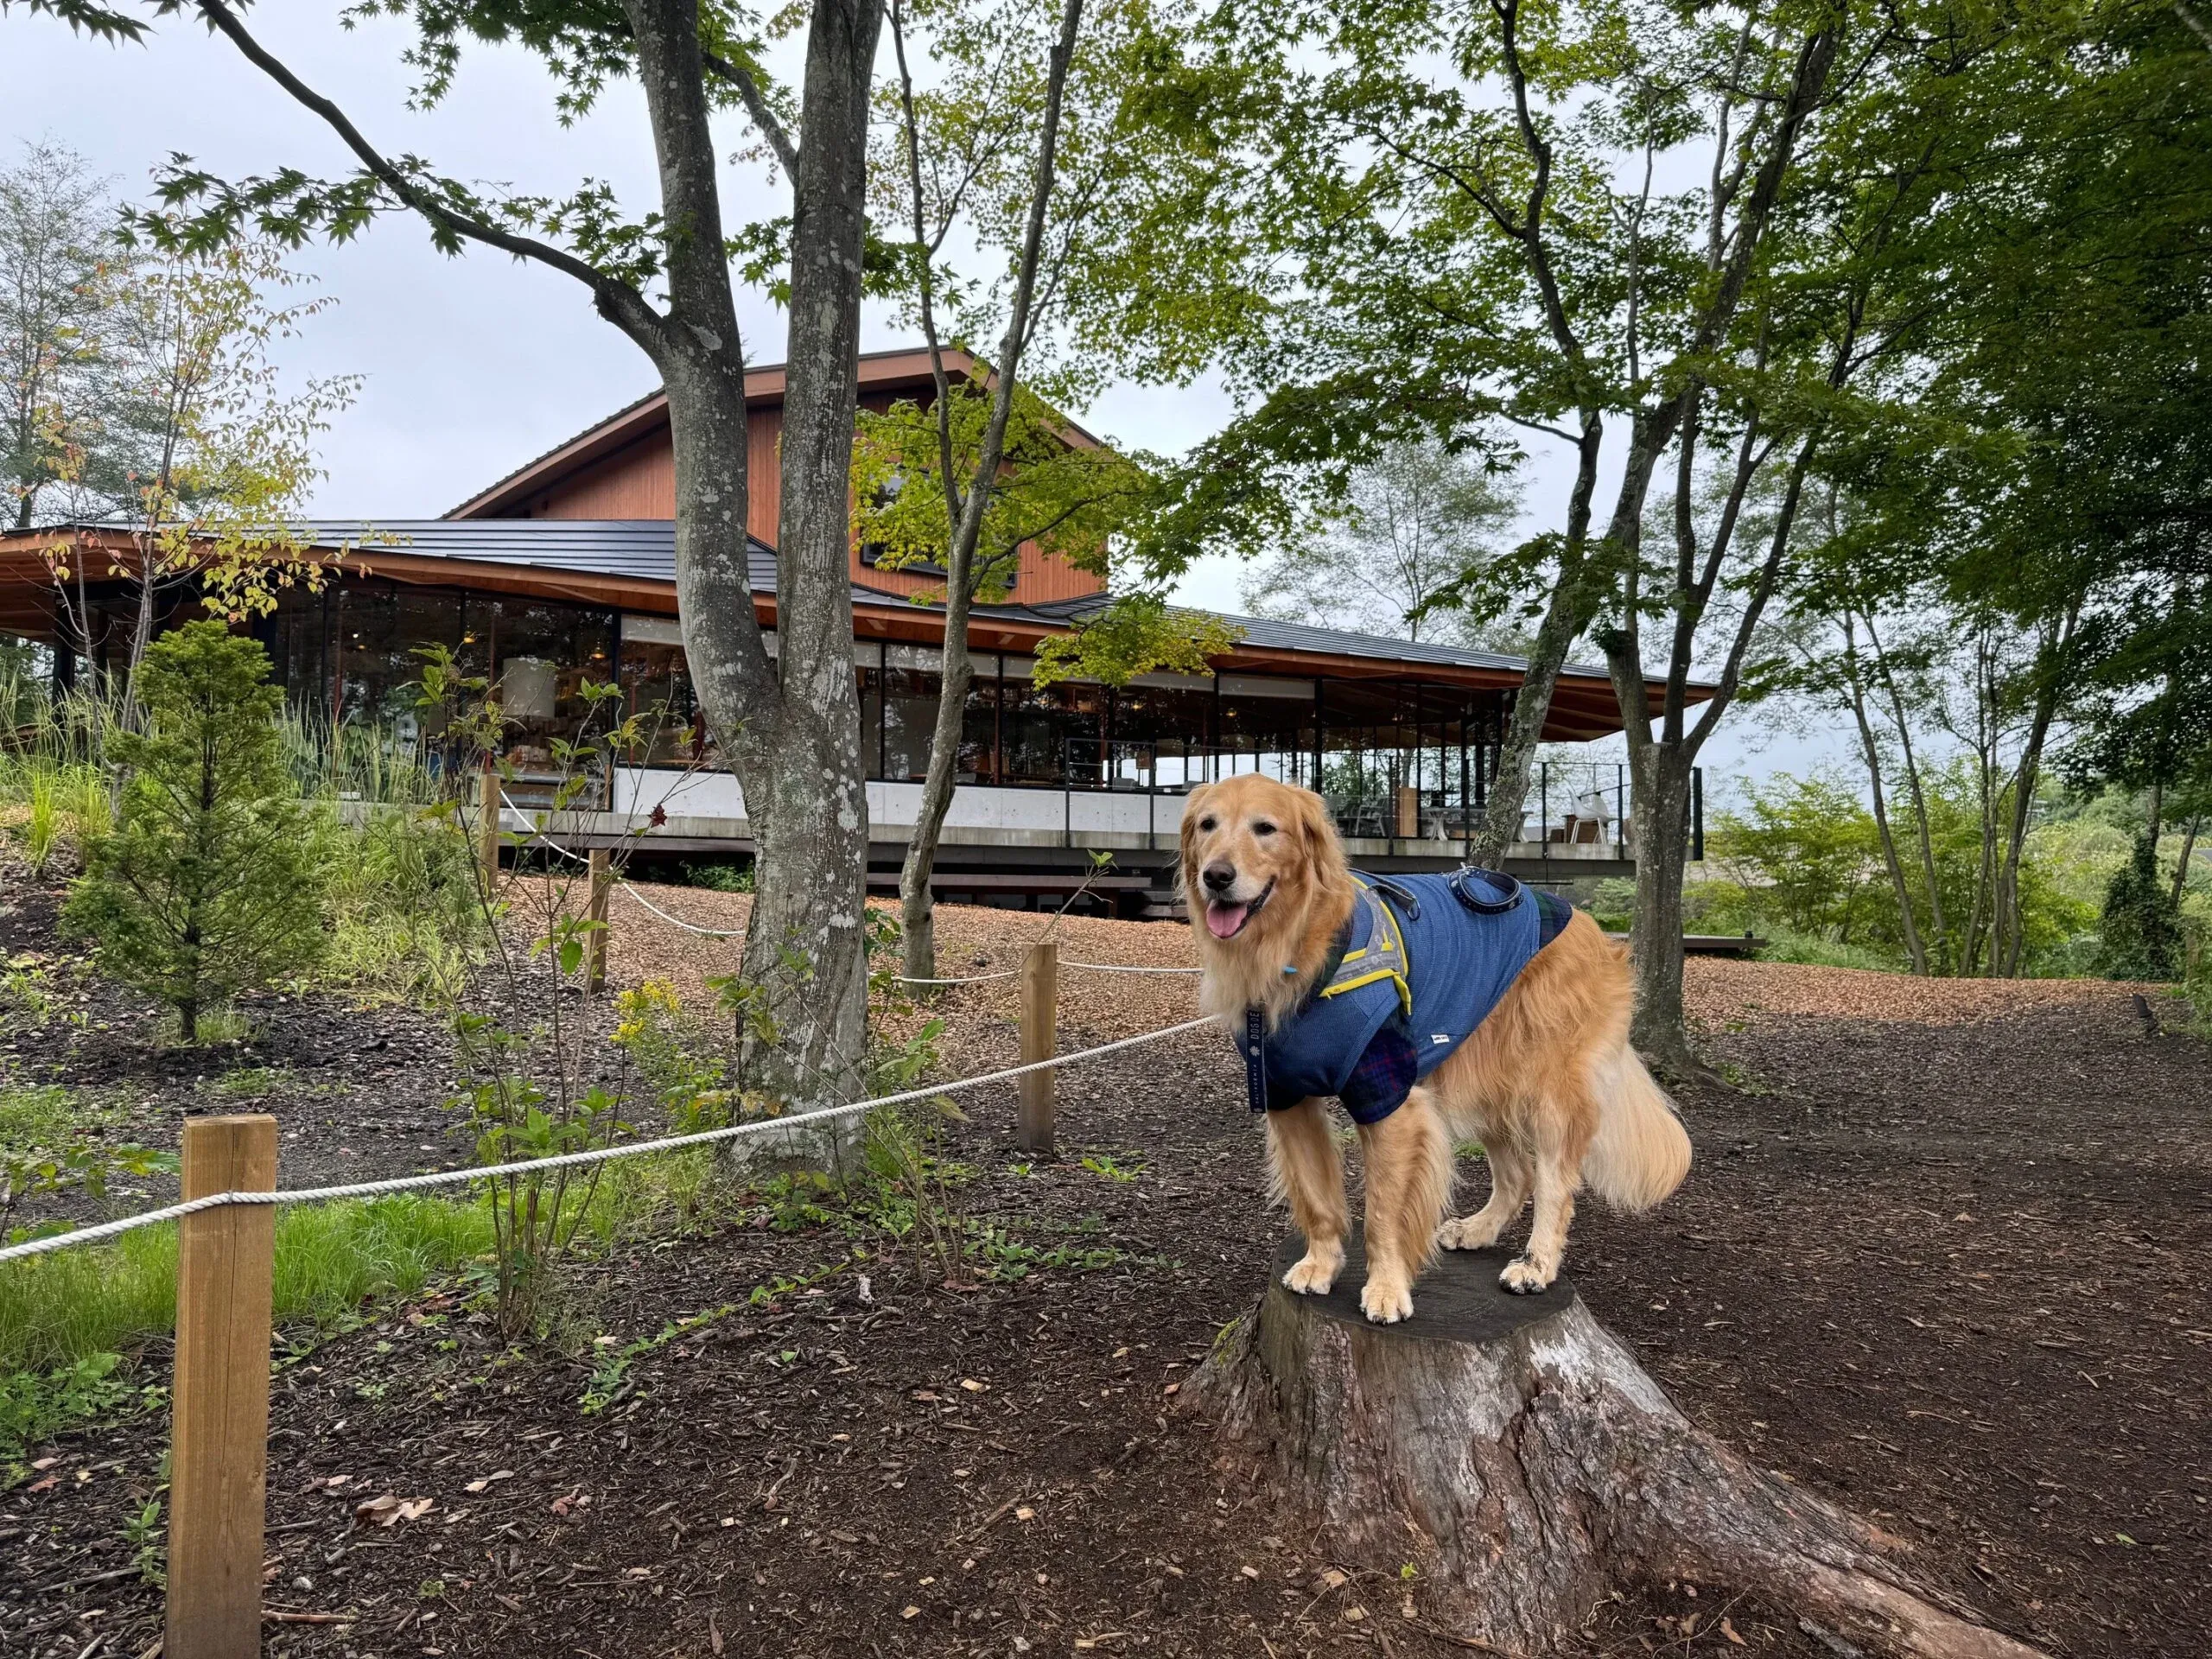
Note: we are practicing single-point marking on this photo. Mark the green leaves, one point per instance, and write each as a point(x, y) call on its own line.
point(1136, 633)
point(1059, 491)
point(210, 882)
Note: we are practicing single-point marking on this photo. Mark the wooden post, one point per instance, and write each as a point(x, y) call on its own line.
point(487, 827)
point(1041, 1008)
point(602, 884)
point(1409, 813)
point(219, 1435)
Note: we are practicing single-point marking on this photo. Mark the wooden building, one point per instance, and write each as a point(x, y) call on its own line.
point(564, 571)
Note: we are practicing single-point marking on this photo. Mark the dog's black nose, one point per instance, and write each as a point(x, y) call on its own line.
point(1219, 876)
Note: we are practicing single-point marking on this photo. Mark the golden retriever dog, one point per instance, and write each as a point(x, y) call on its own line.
point(1547, 1082)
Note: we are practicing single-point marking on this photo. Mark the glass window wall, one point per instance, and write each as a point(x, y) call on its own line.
point(1396, 761)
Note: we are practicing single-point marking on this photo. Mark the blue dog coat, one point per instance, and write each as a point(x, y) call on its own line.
point(1420, 965)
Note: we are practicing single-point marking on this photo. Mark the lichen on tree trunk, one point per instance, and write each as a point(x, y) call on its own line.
point(1515, 1453)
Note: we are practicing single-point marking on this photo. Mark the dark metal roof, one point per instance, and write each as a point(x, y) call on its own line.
point(644, 549)
point(1273, 635)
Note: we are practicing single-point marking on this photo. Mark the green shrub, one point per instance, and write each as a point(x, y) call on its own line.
point(209, 883)
point(722, 877)
point(35, 1406)
point(1782, 945)
point(1812, 850)
point(2140, 934)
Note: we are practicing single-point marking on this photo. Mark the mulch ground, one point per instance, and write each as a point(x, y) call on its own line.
point(1943, 1258)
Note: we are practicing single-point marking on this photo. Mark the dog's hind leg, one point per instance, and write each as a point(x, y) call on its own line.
point(1510, 1178)
point(1307, 1172)
point(1409, 1183)
point(1534, 1269)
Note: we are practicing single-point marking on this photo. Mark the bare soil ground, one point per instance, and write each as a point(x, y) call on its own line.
point(1944, 1257)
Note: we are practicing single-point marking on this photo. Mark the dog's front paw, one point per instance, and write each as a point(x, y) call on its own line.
point(1467, 1233)
point(1386, 1302)
point(1313, 1273)
point(1524, 1278)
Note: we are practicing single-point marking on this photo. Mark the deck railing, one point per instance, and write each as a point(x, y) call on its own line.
point(1576, 807)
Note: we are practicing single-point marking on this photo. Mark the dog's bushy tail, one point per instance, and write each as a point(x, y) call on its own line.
point(1641, 1152)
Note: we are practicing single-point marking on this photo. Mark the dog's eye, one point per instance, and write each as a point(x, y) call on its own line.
point(1263, 828)
point(1206, 825)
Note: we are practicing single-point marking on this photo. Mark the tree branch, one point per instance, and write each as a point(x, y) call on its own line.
point(756, 105)
point(620, 303)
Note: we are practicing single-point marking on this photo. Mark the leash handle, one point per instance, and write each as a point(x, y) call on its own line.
point(1463, 888)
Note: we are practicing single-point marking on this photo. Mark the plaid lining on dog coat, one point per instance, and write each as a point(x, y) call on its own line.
point(1420, 965)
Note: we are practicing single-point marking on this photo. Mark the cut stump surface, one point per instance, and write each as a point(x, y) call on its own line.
point(1514, 1452)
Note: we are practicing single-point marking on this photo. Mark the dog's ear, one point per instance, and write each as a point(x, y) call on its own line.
point(1317, 829)
point(1193, 810)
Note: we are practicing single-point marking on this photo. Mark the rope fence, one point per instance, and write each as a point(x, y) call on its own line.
point(570, 1159)
point(218, 1442)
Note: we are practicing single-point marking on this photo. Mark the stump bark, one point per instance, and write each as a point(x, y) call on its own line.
point(1515, 1452)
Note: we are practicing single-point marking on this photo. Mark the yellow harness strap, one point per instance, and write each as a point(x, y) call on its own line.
point(1383, 957)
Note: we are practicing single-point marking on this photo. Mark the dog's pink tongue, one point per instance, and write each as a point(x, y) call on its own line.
point(1225, 920)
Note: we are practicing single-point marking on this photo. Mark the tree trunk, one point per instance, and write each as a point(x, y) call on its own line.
point(965, 515)
point(1662, 835)
point(1943, 958)
point(1524, 730)
point(806, 944)
point(1516, 1455)
point(917, 912)
point(2188, 852)
point(1899, 889)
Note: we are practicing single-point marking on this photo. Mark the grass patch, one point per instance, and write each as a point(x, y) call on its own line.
point(35, 1406)
point(249, 1082)
point(68, 1305)
point(39, 1117)
point(405, 926)
point(218, 1026)
point(1818, 952)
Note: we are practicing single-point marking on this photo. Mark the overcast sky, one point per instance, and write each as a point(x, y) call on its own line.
point(473, 365)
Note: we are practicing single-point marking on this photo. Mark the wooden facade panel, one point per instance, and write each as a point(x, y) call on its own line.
point(1042, 578)
point(639, 481)
point(764, 472)
point(636, 482)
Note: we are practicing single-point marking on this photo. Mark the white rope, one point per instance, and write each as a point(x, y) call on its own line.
point(1008, 974)
point(1119, 968)
point(568, 1160)
point(678, 921)
point(539, 835)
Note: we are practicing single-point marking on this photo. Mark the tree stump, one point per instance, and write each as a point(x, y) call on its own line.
point(1515, 1453)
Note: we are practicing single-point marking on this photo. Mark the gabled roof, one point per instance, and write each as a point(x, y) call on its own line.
point(640, 549)
point(905, 365)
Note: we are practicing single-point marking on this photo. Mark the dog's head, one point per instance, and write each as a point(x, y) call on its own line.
point(1256, 853)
